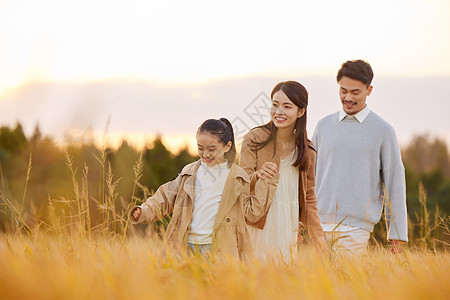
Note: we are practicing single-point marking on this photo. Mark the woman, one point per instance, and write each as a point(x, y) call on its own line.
point(280, 152)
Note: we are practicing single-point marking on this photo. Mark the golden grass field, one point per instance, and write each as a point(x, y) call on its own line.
point(69, 266)
point(69, 257)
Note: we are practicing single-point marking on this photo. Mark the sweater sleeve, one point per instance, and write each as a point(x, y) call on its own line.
point(393, 176)
point(160, 204)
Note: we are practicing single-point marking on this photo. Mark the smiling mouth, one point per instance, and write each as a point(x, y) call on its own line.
point(280, 119)
point(349, 104)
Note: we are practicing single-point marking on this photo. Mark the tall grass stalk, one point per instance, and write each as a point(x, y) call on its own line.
point(17, 215)
point(112, 218)
point(101, 158)
point(138, 169)
point(17, 212)
point(85, 198)
point(424, 218)
point(2, 192)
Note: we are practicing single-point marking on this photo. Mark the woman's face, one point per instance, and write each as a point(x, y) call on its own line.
point(284, 112)
point(210, 149)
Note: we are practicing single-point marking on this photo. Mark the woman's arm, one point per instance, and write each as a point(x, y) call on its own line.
point(248, 158)
point(314, 227)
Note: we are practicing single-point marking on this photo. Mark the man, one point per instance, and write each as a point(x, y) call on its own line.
point(359, 168)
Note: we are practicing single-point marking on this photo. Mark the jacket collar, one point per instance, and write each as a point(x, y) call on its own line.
point(189, 185)
point(235, 171)
point(191, 170)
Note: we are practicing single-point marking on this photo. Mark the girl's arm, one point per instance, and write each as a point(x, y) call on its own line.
point(258, 194)
point(257, 202)
point(157, 206)
point(248, 162)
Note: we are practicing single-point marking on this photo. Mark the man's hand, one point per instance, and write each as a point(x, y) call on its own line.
point(396, 246)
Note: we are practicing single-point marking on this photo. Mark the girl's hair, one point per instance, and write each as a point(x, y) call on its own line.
point(298, 94)
point(223, 129)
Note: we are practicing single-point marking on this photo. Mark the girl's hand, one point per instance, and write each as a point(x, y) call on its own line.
point(136, 213)
point(267, 171)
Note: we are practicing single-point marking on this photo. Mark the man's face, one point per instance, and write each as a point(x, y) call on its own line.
point(353, 95)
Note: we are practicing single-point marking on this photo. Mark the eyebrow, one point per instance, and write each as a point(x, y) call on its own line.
point(210, 146)
point(290, 103)
point(355, 90)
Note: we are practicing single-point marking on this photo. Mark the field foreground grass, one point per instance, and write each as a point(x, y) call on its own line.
point(60, 267)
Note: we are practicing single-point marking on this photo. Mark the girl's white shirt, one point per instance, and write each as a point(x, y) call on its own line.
point(209, 185)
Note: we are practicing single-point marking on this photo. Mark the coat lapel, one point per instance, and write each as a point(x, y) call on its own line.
point(189, 186)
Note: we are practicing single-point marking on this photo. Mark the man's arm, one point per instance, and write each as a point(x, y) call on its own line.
point(393, 175)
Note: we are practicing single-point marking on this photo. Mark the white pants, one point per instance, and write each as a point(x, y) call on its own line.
point(353, 242)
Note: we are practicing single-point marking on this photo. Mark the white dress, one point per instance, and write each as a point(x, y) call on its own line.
point(277, 242)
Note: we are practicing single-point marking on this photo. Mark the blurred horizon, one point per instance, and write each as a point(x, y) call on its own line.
point(138, 111)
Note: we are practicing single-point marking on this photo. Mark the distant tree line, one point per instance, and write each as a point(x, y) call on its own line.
point(51, 178)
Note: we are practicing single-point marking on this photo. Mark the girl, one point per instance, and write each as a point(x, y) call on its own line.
point(280, 151)
point(210, 199)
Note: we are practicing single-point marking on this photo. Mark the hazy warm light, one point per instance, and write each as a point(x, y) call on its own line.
point(200, 40)
point(174, 142)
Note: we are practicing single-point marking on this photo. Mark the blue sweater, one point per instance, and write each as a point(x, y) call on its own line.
point(355, 162)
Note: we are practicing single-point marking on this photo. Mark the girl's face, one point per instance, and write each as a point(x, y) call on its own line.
point(284, 112)
point(210, 149)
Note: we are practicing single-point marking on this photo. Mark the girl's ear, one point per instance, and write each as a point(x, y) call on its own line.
point(228, 146)
point(301, 112)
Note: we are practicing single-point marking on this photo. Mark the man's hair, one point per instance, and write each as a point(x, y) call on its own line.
point(356, 69)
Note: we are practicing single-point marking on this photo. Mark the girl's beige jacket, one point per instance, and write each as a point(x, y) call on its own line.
point(251, 161)
point(238, 206)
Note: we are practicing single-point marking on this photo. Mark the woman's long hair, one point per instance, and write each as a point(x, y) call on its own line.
point(298, 94)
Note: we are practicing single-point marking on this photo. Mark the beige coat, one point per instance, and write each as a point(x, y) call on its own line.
point(230, 233)
point(252, 161)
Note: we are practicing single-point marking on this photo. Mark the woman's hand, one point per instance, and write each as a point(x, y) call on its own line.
point(267, 171)
point(136, 213)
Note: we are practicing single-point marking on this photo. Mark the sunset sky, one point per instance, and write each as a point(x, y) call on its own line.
point(163, 56)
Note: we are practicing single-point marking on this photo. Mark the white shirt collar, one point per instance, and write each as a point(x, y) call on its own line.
point(360, 116)
point(218, 167)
